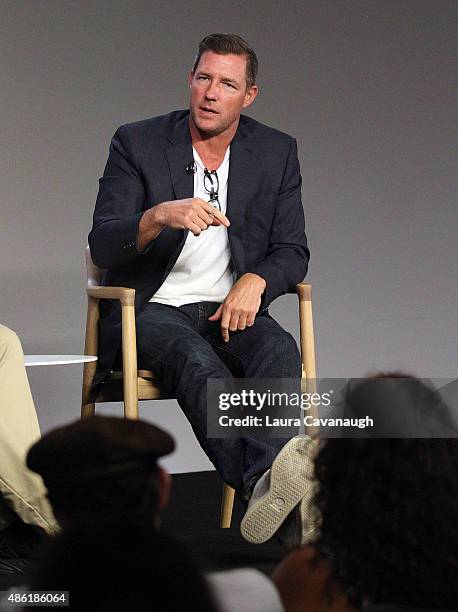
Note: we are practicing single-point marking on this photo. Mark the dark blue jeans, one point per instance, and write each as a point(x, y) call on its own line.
point(185, 349)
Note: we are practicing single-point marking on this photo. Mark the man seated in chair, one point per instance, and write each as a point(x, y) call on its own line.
point(200, 211)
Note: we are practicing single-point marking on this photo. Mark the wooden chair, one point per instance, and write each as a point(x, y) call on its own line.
point(132, 385)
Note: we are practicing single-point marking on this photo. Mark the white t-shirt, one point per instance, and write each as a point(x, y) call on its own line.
point(203, 271)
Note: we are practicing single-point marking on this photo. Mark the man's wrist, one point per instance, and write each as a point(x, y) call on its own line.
point(261, 282)
point(151, 225)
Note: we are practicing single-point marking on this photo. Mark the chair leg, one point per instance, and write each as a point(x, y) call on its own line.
point(87, 410)
point(131, 406)
point(227, 503)
point(129, 362)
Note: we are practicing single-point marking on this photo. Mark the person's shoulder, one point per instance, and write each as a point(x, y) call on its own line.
point(159, 126)
point(263, 132)
point(244, 588)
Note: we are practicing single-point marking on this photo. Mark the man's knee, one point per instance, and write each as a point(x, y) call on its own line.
point(287, 345)
point(287, 352)
point(275, 354)
point(278, 342)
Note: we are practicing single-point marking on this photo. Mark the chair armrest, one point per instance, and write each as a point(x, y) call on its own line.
point(304, 292)
point(124, 294)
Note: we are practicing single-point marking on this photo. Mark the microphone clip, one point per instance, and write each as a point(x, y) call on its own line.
point(191, 168)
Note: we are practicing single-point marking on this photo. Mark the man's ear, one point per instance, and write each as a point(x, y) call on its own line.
point(250, 95)
point(190, 77)
point(165, 485)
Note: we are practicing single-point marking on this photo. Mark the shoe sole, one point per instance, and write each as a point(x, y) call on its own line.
point(290, 476)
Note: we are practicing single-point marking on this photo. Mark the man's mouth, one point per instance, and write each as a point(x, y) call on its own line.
point(207, 109)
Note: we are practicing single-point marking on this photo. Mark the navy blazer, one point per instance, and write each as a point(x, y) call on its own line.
point(147, 165)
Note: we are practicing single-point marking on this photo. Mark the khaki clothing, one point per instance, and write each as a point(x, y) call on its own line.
point(23, 490)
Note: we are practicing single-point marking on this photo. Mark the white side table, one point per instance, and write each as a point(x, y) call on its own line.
point(45, 360)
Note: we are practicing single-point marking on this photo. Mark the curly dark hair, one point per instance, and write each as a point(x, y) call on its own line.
point(388, 512)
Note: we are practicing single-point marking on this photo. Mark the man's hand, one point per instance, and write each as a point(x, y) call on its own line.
point(192, 214)
point(239, 309)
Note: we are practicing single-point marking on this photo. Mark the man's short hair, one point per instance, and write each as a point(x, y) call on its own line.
point(226, 44)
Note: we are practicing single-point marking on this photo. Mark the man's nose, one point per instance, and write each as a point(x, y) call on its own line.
point(211, 93)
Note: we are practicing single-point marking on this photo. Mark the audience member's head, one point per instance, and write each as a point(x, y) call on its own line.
point(121, 566)
point(388, 507)
point(401, 406)
point(104, 466)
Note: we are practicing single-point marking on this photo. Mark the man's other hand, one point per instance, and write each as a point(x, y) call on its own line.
point(239, 309)
point(192, 214)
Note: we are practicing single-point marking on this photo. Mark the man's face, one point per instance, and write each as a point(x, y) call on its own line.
point(219, 92)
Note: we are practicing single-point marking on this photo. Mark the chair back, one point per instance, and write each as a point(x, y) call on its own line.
point(94, 274)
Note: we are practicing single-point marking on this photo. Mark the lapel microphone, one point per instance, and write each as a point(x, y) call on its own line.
point(191, 168)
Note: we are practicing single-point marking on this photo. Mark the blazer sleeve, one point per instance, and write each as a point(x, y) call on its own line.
point(288, 255)
point(119, 206)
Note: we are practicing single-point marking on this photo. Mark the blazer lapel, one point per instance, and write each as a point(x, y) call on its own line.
point(242, 172)
point(179, 155)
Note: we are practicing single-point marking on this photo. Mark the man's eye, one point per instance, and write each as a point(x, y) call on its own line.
point(202, 77)
point(229, 85)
